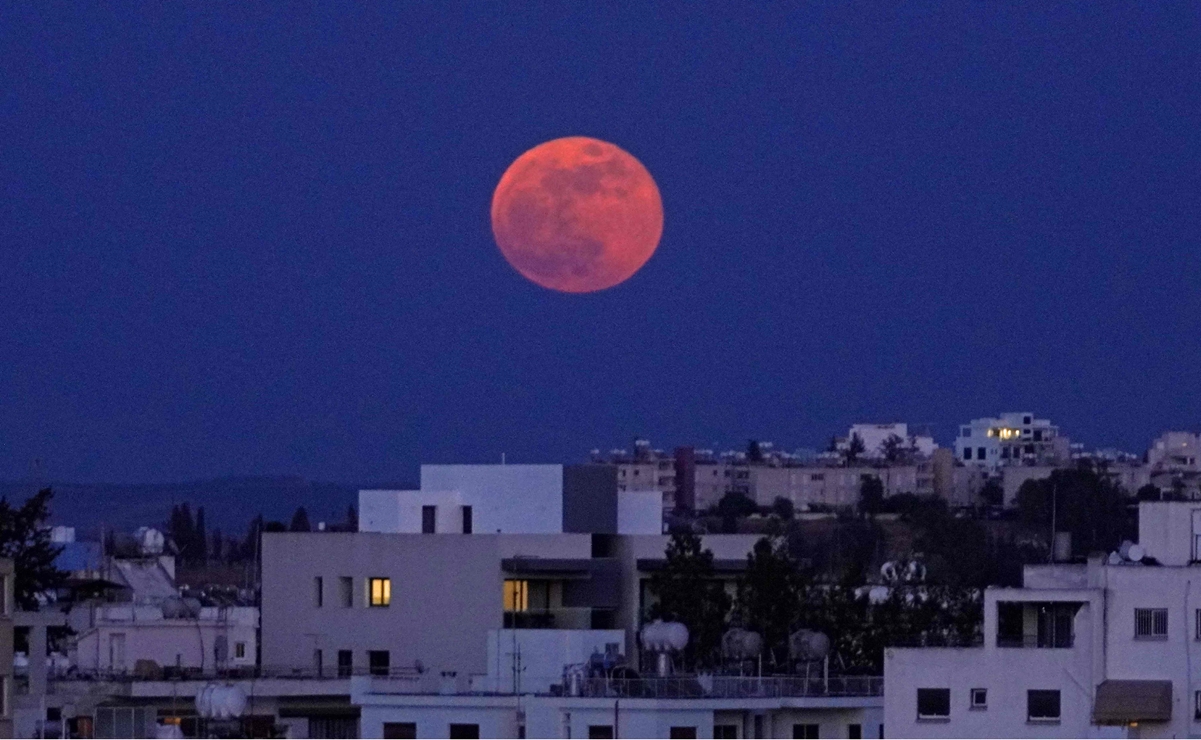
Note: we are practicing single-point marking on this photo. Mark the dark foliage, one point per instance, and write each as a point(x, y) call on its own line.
point(687, 591)
point(25, 538)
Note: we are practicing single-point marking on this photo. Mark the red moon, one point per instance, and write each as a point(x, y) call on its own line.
point(577, 215)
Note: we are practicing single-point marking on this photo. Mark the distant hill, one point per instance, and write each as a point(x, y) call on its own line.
point(229, 503)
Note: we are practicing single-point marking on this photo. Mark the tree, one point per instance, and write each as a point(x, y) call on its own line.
point(1149, 492)
point(854, 449)
point(686, 590)
point(352, 519)
point(754, 453)
point(992, 494)
point(733, 506)
point(783, 508)
point(871, 494)
point(767, 598)
point(1086, 504)
point(25, 538)
point(894, 448)
point(300, 521)
point(200, 541)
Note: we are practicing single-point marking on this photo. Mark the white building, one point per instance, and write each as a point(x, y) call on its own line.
point(876, 436)
point(1111, 648)
point(1011, 438)
point(513, 499)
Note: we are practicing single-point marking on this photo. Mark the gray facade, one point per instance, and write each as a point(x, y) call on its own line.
point(6, 648)
point(590, 499)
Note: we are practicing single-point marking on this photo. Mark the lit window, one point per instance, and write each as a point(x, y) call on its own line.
point(381, 591)
point(239, 650)
point(517, 596)
point(1151, 623)
point(979, 698)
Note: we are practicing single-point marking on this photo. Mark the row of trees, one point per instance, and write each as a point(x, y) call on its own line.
point(775, 596)
point(195, 546)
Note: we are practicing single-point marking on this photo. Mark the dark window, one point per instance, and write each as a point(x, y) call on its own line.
point(427, 519)
point(1005, 452)
point(318, 662)
point(1029, 449)
point(979, 698)
point(682, 733)
point(933, 703)
point(602, 546)
point(1042, 706)
point(466, 520)
point(1151, 623)
point(345, 663)
point(346, 587)
point(981, 453)
point(1197, 705)
point(805, 731)
point(855, 732)
point(1025, 419)
point(600, 732)
point(464, 731)
point(400, 730)
point(1197, 621)
point(377, 662)
point(881, 731)
point(730, 732)
point(318, 591)
point(967, 453)
point(1038, 435)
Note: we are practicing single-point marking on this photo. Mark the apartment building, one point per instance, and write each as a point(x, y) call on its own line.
point(1013, 438)
point(1106, 648)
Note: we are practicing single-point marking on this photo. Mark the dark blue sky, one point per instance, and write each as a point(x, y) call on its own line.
point(254, 239)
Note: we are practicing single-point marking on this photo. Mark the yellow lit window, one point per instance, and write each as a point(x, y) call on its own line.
point(517, 596)
point(380, 591)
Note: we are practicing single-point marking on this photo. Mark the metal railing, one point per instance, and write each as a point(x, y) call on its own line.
point(730, 687)
point(1033, 641)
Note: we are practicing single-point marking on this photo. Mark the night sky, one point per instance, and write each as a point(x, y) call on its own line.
point(251, 238)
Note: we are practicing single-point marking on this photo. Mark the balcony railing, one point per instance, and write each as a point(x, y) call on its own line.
point(729, 687)
point(1033, 641)
point(563, 618)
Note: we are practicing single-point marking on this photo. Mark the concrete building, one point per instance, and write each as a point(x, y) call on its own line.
point(513, 499)
point(1105, 648)
point(876, 438)
point(1009, 439)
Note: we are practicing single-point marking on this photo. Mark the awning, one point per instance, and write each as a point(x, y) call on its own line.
point(561, 567)
point(1123, 702)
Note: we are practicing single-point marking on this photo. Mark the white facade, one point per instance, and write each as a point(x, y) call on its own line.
point(639, 512)
point(1104, 629)
point(112, 638)
point(1011, 438)
point(519, 499)
point(874, 436)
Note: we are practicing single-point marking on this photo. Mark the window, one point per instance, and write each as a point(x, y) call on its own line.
point(318, 663)
point(380, 591)
point(967, 453)
point(981, 453)
point(600, 732)
point(464, 731)
point(345, 663)
point(730, 732)
point(805, 731)
point(400, 730)
point(1151, 623)
point(933, 703)
point(979, 698)
point(1025, 419)
point(239, 650)
point(1197, 624)
point(682, 733)
point(517, 596)
point(965, 432)
point(817, 477)
point(1197, 705)
point(427, 519)
point(378, 662)
point(346, 589)
point(1042, 706)
point(467, 520)
point(318, 592)
point(855, 732)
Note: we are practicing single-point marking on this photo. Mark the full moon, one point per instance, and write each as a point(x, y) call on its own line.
point(577, 215)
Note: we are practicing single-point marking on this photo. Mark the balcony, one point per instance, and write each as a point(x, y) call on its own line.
point(1036, 624)
point(559, 618)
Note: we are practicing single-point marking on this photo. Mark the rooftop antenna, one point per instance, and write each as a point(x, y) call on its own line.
point(502, 458)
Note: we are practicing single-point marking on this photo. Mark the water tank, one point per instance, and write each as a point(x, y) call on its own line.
point(150, 540)
point(807, 645)
point(1136, 553)
point(1124, 549)
point(740, 644)
point(220, 701)
point(664, 637)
